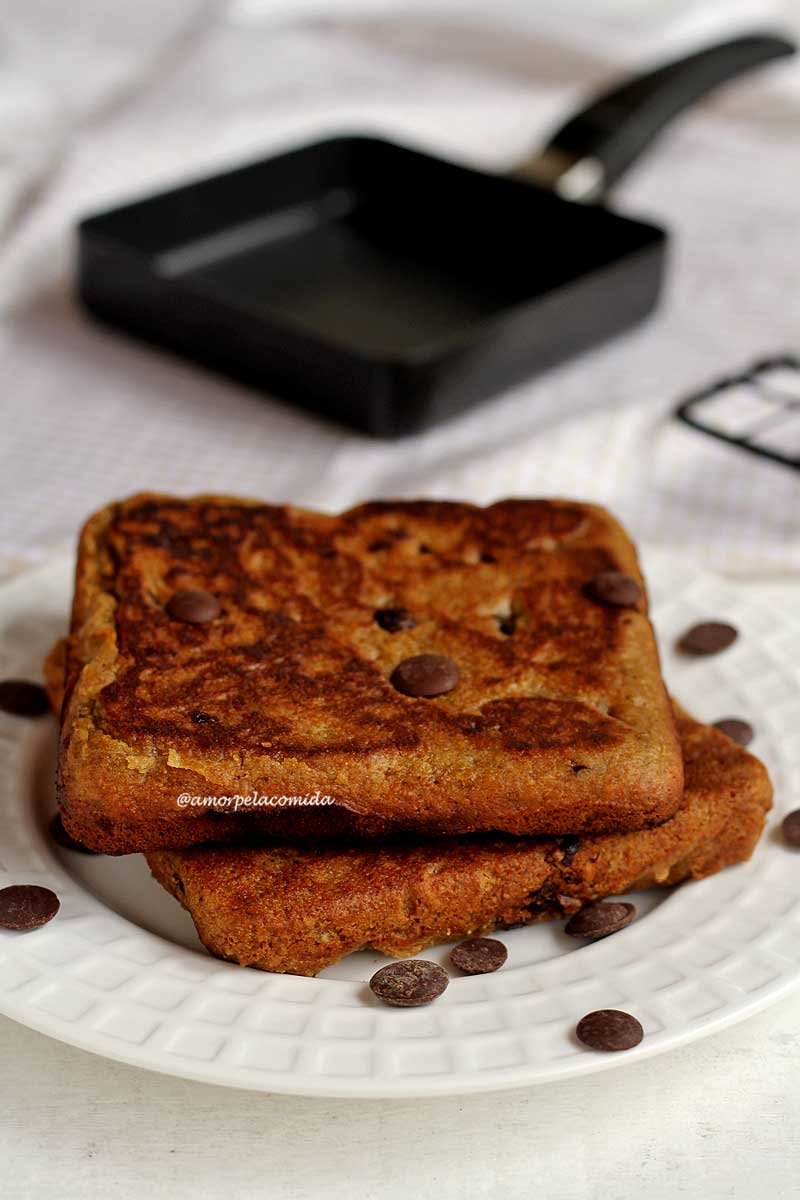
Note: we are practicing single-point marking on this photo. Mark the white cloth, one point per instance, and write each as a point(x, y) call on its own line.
point(130, 99)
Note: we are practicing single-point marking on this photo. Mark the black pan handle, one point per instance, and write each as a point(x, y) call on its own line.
point(590, 153)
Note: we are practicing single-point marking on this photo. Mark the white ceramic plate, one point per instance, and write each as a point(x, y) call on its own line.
point(120, 971)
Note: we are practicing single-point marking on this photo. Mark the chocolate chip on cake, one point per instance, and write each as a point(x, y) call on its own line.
point(709, 637)
point(609, 1029)
point(739, 731)
point(27, 906)
point(600, 919)
point(395, 619)
point(791, 827)
point(59, 834)
point(614, 589)
point(193, 606)
point(407, 984)
point(479, 956)
point(569, 848)
point(425, 675)
point(22, 698)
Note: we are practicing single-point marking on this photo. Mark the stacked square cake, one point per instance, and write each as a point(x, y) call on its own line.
point(410, 723)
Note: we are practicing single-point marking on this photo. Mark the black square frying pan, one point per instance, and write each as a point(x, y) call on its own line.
point(386, 289)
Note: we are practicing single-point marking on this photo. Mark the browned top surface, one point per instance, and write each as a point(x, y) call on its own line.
point(297, 662)
point(296, 667)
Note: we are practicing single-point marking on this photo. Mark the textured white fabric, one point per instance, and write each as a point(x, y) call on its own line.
point(102, 101)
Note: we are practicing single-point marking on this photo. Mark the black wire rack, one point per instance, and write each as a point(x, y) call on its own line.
point(757, 410)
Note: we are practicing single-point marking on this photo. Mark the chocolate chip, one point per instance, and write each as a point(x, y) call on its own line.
point(27, 906)
point(378, 545)
point(739, 731)
point(23, 699)
point(569, 848)
point(395, 619)
point(203, 718)
point(615, 589)
point(193, 606)
point(425, 675)
point(59, 834)
point(791, 827)
point(609, 1029)
point(479, 956)
point(709, 637)
point(406, 984)
point(507, 625)
point(600, 919)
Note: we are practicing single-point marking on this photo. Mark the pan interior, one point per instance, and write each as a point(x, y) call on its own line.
point(386, 251)
point(334, 269)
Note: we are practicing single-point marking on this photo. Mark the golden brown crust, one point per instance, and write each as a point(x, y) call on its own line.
point(297, 910)
point(54, 670)
point(561, 726)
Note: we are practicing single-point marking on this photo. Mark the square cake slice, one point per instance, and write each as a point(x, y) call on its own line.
point(297, 910)
point(428, 666)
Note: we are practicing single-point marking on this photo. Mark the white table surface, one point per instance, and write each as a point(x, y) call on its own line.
point(714, 1119)
point(101, 100)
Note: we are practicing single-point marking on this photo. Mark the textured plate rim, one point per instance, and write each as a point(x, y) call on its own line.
point(590, 1064)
